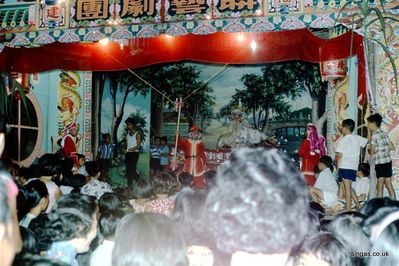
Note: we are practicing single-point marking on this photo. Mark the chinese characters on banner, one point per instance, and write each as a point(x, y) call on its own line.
point(138, 8)
point(92, 9)
point(52, 14)
point(187, 7)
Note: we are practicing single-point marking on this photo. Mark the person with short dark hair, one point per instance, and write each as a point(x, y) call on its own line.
point(325, 190)
point(80, 167)
point(132, 151)
point(95, 187)
point(108, 202)
point(148, 239)
point(361, 187)
point(107, 224)
point(348, 154)
point(105, 155)
point(258, 197)
point(72, 225)
point(380, 151)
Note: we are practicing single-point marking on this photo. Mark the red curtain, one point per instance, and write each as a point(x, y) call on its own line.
point(220, 47)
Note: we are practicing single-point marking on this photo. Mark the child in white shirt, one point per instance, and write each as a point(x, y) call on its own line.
point(325, 190)
point(361, 188)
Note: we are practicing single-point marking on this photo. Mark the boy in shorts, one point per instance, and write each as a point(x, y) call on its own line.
point(348, 153)
point(380, 150)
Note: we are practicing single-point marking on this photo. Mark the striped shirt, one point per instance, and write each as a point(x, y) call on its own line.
point(106, 151)
point(155, 152)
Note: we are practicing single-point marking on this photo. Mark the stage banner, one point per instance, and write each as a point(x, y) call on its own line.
point(342, 104)
point(237, 8)
point(52, 14)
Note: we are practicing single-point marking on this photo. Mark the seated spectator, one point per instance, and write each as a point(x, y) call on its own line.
point(76, 182)
point(33, 199)
point(10, 238)
point(209, 178)
point(258, 207)
point(186, 181)
point(142, 192)
point(72, 226)
point(163, 185)
point(107, 224)
point(95, 187)
point(325, 190)
point(29, 242)
point(148, 239)
point(347, 228)
point(36, 260)
point(81, 167)
point(49, 169)
point(322, 249)
point(361, 187)
point(108, 202)
point(373, 205)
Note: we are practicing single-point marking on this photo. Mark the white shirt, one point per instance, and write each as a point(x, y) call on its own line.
point(131, 141)
point(102, 256)
point(361, 186)
point(27, 219)
point(349, 146)
point(326, 182)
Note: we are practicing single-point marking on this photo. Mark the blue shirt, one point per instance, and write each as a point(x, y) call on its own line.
point(64, 252)
point(165, 158)
point(155, 152)
point(106, 151)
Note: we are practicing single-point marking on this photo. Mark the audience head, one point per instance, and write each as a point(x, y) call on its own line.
point(148, 239)
point(108, 202)
point(143, 190)
point(383, 228)
point(322, 249)
point(32, 195)
point(74, 218)
point(36, 260)
point(373, 205)
point(29, 241)
point(348, 126)
point(81, 159)
point(49, 165)
point(363, 170)
point(93, 169)
point(375, 119)
point(185, 179)
point(259, 203)
point(7, 233)
point(163, 183)
point(108, 223)
point(326, 162)
point(347, 227)
point(209, 177)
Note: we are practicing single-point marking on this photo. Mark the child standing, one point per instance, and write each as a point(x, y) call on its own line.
point(155, 162)
point(380, 150)
point(348, 153)
point(105, 155)
point(361, 187)
point(164, 153)
point(325, 190)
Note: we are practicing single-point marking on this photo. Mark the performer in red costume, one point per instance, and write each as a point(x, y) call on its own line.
point(195, 160)
point(311, 150)
point(70, 141)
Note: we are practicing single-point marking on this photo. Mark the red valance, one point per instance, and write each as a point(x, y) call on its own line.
point(220, 47)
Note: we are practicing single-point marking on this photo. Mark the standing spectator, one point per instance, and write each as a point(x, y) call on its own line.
point(94, 187)
point(70, 141)
point(133, 144)
point(164, 153)
point(105, 155)
point(348, 153)
point(310, 151)
point(155, 161)
point(380, 149)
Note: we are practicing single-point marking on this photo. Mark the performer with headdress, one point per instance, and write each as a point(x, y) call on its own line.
point(310, 151)
point(70, 142)
point(239, 133)
point(194, 152)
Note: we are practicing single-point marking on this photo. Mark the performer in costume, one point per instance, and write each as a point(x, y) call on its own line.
point(70, 142)
point(310, 151)
point(239, 133)
point(132, 151)
point(195, 160)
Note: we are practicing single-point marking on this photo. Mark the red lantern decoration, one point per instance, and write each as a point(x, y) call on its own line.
point(333, 69)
